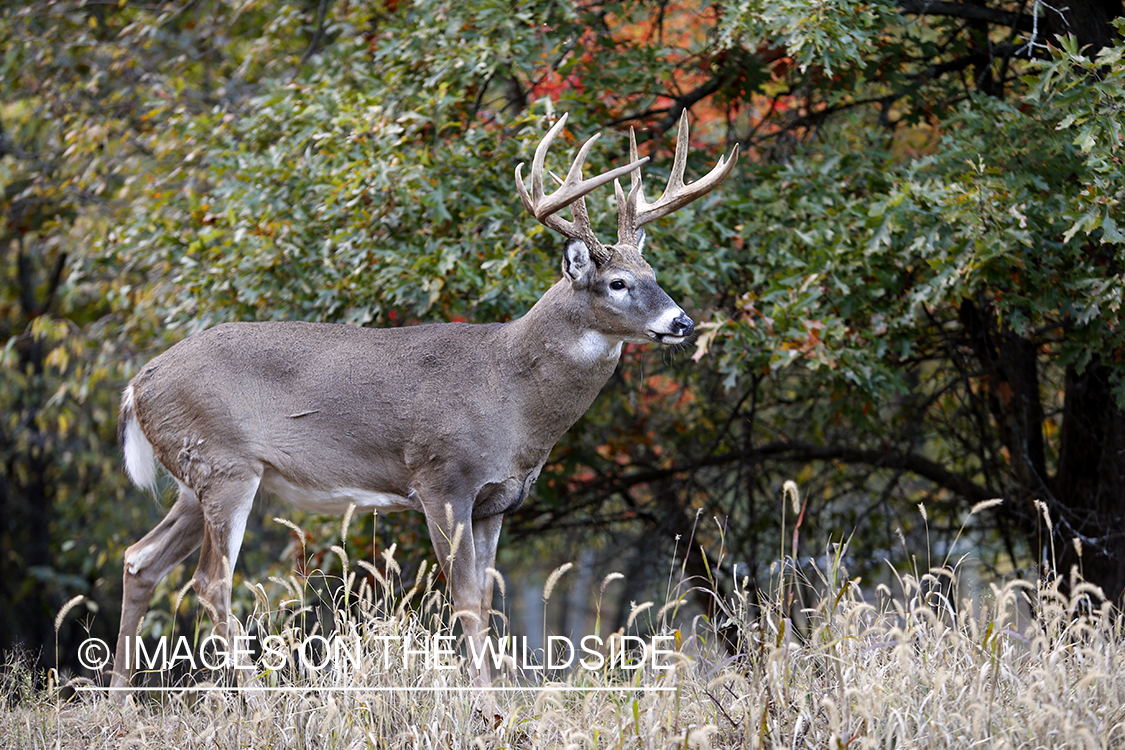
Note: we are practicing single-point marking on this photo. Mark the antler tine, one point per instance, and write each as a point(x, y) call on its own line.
point(636, 211)
point(571, 191)
point(626, 207)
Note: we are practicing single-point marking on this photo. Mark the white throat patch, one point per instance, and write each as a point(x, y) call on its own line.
point(595, 347)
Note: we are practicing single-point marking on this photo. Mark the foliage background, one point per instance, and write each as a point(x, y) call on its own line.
point(909, 292)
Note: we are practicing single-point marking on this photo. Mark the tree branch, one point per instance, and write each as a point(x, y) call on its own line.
point(784, 451)
point(1020, 21)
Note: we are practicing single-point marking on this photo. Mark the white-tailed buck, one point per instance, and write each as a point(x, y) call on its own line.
point(454, 420)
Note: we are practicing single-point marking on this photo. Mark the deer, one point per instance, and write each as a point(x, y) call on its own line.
point(455, 420)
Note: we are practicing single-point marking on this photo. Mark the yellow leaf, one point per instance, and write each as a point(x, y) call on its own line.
point(709, 330)
point(59, 357)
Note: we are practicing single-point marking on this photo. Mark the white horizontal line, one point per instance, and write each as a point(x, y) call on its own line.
point(384, 689)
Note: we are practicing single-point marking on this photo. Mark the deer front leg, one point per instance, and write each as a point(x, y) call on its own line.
point(465, 550)
point(463, 558)
point(486, 536)
point(451, 533)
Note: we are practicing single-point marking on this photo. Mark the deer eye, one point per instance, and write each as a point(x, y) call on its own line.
point(617, 284)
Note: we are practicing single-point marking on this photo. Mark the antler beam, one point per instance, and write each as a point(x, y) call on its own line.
point(634, 211)
point(572, 190)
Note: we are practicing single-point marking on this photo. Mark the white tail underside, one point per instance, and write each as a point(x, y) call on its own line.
point(140, 461)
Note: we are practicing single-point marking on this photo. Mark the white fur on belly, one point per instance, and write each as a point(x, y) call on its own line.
point(335, 499)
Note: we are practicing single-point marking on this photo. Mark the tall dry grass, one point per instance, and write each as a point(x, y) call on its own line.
point(820, 661)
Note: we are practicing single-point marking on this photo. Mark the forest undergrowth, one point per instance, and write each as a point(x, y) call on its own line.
point(814, 659)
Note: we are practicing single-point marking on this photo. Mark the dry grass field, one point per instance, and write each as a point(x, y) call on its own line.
point(916, 664)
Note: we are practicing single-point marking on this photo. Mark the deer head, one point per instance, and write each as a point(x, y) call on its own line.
point(617, 275)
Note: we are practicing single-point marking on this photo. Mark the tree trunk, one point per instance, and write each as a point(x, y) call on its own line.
point(1090, 482)
point(1088, 20)
point(1010, 368)
point(28, 597)
point(1086, 495)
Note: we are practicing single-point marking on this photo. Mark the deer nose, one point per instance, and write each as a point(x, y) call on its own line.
point(682, 326)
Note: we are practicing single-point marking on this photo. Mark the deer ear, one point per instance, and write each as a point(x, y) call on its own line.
point(641, 240)
point(577, 264)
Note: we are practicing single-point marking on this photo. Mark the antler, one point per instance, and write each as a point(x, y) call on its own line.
point(633, 212)
point(571, 192)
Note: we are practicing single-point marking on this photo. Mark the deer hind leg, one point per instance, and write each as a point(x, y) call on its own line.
point(226, 507)
point(146, 563)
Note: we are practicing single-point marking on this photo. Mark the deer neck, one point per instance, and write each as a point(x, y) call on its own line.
point(557, 349)
point(559, 331)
